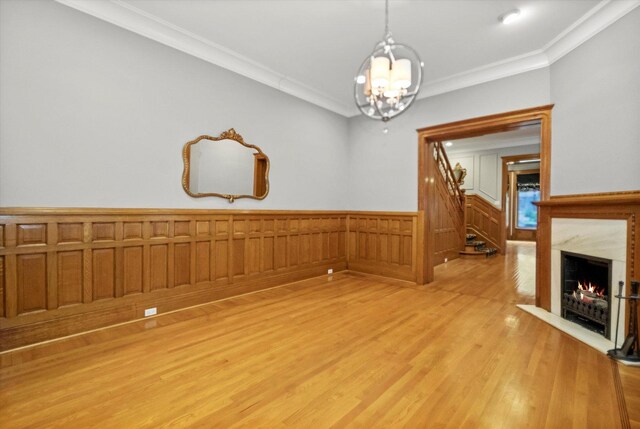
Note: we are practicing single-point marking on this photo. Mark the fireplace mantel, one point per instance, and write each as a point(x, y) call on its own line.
point(591, 214)
point(611, 199)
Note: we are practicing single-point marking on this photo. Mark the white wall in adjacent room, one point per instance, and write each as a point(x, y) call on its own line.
point(383, 168)
point(484, 169)
point(92, 115)
point(596, 118)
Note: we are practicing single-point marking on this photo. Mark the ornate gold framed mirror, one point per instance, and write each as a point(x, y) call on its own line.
point(226, 167)
point(459, 173)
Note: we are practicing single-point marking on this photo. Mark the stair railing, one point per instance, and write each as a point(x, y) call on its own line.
point(442, 161)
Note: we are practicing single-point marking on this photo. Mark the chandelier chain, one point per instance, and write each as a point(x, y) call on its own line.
point(386, 17)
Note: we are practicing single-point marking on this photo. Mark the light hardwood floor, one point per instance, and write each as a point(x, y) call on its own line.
point(351, 351)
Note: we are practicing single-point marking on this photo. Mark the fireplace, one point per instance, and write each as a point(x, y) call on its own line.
point(586, 291)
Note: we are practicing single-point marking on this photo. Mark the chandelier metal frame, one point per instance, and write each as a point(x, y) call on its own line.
point(385, 103)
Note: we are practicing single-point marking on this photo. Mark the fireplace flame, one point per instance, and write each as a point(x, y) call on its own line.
point(591, 288)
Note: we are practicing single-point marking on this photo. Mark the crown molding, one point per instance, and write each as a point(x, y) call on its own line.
point(122, 14)
point(594, 21)
point(494, 71)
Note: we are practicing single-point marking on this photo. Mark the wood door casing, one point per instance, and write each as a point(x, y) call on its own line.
point(470, 128)
point(513, 232)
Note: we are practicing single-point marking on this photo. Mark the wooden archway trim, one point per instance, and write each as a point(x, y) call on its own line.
point(464, 129)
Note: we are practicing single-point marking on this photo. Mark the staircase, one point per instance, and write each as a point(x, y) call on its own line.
point(445, 208)
point(476, 248)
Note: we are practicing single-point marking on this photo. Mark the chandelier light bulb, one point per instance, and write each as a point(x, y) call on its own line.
point(380, 72)
point(401, 74)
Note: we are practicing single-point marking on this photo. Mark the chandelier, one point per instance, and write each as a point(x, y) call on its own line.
point(389, 79)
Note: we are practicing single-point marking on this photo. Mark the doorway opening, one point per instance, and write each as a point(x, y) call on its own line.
point(520, 190)
point(430, 138)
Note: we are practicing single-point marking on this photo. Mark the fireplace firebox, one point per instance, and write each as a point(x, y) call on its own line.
point(586, 291)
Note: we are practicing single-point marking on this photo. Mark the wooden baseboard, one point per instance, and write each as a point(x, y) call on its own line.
point(69, 270)
point(25, 330)
point(449, 255)
point(396, 272)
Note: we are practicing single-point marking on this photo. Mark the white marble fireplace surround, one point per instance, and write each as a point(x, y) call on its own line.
point(603, 238)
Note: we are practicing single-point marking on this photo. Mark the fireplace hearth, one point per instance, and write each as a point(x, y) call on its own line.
point(585, 292)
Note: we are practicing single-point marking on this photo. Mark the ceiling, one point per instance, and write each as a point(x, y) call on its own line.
point(313, 48)
point(523, 136)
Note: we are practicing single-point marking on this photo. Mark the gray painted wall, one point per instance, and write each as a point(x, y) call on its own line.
point(383, 168)
point(596, 118)
point(92, 115)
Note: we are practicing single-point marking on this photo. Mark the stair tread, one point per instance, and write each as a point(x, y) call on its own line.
point(487, 251)
point(475, 243)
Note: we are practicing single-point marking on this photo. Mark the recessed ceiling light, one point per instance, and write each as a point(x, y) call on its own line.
point(448, 144)
point(510, 16)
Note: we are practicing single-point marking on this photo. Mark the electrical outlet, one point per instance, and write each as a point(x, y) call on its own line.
point(330, 271)
point(150, 312)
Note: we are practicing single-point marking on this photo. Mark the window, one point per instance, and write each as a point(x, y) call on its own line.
point(528, 192)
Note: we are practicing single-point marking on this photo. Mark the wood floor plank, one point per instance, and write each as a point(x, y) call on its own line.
point(348, 351)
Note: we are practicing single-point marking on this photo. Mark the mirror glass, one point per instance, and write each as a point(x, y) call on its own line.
point(459, 174)
point(225, 166)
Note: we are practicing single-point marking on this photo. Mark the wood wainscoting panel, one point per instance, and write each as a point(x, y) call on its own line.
point(104, 231)
point(32, 282)
point(70, 232)
point(2, 286)
point(158, 266)
point(30, 234)
point(132, 230)
point(133, 271)
point(268, 245)
point(69, 278)
point(253, 255)
point(483, 219)
point(203, 261)
point(280, 251)
point(182, 264)
point(221, 260)
point(64, 271)
point(104, 279)
point(383, 243)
